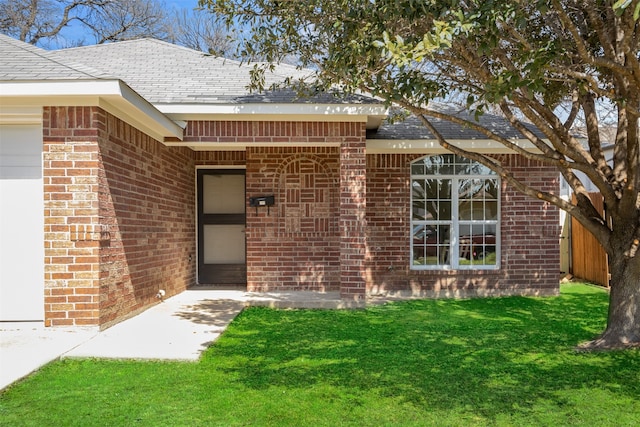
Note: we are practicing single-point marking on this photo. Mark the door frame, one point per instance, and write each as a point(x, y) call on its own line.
point(202, 170)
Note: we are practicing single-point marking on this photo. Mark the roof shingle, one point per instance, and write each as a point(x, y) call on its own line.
point(411, 128)
point(164, 73)
point(22, 61)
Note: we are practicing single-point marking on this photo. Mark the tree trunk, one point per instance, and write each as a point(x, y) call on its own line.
point(623, 322)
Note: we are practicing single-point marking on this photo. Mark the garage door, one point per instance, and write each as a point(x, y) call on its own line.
point(21, 223)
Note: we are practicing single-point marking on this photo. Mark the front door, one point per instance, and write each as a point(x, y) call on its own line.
point(221, 224)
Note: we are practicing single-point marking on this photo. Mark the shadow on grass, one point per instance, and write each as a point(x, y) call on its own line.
point(487, 356)
point(506, 361)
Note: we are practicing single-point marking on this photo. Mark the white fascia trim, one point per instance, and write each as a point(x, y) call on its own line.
point(428, 146)
point(242, 146)
point(150, 111)
point(57, 88)
point(375, 146)
point(273, 111)
point(113, 95)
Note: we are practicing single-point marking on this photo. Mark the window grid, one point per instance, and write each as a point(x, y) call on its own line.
point(455, 216)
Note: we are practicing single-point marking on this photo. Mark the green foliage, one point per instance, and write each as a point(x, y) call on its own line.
point(503, 361)
point(621, 6)
point(485, 49)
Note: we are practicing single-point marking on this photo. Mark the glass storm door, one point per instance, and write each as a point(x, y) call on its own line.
point(221, 225)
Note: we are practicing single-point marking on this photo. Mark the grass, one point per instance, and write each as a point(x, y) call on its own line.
point(490, 259)
point(503, 362)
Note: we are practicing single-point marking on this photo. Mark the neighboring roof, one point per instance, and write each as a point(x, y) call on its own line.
point(22, 61)
point(411, 128)
point(411, 136)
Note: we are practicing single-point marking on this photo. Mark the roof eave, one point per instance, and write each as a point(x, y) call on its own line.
point(431, 146)
point(113, 96)
point(371, 114)
point(374, 146)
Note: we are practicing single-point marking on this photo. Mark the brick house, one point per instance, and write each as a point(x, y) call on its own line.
point(136, 166)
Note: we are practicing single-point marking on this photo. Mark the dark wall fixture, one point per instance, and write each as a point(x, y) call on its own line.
point(260, 201)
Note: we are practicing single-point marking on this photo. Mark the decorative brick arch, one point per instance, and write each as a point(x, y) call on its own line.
point(306, 188)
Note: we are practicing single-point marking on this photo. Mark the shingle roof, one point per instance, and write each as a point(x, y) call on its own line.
point(164, 73)
point(412, 128)
point(22, 61)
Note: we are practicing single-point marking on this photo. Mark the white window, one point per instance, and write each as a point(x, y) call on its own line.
point(455, 214)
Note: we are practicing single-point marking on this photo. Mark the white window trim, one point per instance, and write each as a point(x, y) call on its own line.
point(454, 224)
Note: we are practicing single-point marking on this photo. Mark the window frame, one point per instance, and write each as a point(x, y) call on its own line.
point(454, 222)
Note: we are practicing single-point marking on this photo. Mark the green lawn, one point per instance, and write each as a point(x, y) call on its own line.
point(506, 361)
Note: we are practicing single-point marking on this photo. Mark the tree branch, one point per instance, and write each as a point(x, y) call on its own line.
point(581, 47)
point(585, 213)
point(572, 148)
point(575, 109)
point(593, 135)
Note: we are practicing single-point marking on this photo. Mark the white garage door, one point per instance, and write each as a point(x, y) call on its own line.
point(21, 223)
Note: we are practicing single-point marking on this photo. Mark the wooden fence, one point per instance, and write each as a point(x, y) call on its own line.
point(589, 260)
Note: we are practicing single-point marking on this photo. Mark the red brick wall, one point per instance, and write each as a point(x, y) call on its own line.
point(294, 245)
point(388, 204)
point(530, 228)
point(297, 244)
point(354, 250)
point(271, 133)
point(529, 233)
point(148, 202)
point(72, 224)
point(119, 218)
point(220, 158)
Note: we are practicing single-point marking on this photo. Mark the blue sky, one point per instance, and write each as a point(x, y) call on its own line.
point(74, 32)
point(182, 4)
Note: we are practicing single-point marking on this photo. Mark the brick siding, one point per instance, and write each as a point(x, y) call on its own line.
point(530, 254)
point(353, 222)
point(119, 222)
point(120, 216)
point(294, 245)
point(298, 244)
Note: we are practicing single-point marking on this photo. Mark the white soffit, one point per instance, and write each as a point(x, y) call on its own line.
point(242, 146)
point(374, 146)
point(112, 95)
point(372, 114)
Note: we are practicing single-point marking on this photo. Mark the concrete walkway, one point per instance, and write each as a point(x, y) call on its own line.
point(25, 347)
point(179, 328)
